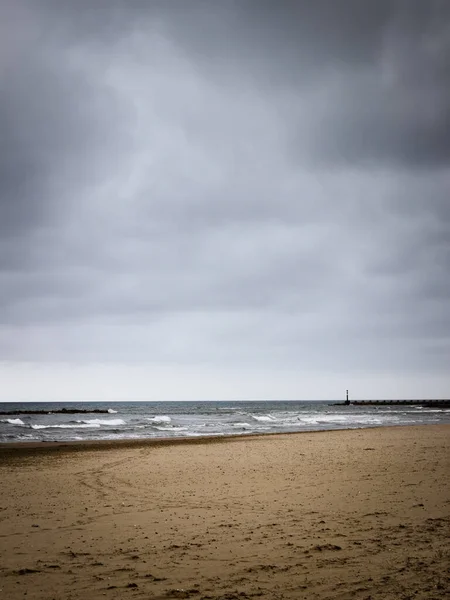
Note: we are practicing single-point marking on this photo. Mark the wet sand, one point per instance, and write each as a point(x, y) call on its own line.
point(361, 514)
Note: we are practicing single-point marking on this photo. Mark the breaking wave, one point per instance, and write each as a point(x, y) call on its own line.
point(85, 424)
point(100, 422)
point(264, 418)
point(64, 426)
point(159, 420)
point(170, 428)
point(13, 422)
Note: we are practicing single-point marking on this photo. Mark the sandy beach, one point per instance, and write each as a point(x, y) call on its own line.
point(361, 514)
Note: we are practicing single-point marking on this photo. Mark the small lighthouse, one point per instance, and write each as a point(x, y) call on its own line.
point(347, 401)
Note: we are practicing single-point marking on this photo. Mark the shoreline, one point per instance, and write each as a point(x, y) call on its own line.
point(15, 448)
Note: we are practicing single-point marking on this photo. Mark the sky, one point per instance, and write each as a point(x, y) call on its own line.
point(245, 199)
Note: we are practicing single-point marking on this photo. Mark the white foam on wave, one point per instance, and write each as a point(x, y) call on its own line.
point(243, 425)
point(13, 422)
point(100, 422)
point(159, 419)
point(112, 411)
point(348, 419)
point(85, 424)
point(264, 418)
point(310, 420)
point(66, 426)
point(171, 428)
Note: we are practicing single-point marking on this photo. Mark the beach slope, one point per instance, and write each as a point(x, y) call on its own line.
point(361, 514)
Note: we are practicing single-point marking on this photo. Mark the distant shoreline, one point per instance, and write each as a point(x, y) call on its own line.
point(57, 411)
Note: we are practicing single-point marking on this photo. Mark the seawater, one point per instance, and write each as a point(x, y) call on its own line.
point(128, 420)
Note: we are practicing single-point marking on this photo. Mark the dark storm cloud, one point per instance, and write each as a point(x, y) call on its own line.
point(381, 69)
point(268, 176)
point(51, 119)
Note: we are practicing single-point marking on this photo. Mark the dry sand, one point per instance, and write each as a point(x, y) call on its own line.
point(361, 514)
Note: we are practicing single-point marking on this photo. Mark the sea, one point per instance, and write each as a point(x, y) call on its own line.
point(151, 420)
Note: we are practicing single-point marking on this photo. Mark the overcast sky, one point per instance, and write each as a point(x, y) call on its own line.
point(235, 199)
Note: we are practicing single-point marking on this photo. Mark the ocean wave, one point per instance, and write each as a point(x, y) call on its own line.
point(100, 422)
point(310, 420)
point(333, 418)
point(65, 426)
point(159, 419)
point(18, 422)
point(345, 419)
point(264, 418)
point(25, 437)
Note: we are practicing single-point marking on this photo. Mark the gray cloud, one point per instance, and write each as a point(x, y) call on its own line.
point(378, 73)
point(251, 183)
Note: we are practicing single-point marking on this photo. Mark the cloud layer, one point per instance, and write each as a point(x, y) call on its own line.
point(229, 188)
